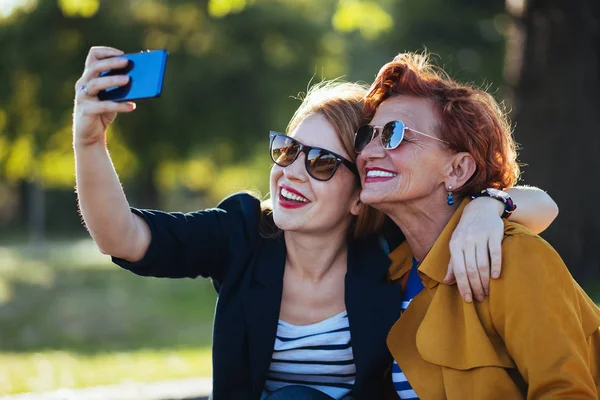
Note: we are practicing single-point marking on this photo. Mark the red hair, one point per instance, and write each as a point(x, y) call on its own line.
point(470, 119)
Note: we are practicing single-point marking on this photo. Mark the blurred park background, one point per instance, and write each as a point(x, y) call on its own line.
point(69, 318)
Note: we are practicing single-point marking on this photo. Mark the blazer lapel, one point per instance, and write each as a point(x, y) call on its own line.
point(262, 307)
point(373, 305)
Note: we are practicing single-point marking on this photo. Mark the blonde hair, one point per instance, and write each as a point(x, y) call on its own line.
point(341, 103)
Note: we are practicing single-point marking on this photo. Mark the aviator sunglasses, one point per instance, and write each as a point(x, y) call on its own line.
point(321, 164)
point(391, 135)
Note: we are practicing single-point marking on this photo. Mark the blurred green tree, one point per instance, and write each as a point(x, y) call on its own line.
point(233, 68)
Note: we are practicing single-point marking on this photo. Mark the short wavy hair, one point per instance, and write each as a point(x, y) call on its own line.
point(470, 119)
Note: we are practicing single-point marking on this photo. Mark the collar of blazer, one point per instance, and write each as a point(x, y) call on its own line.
point(365, 259)
point(372, 302)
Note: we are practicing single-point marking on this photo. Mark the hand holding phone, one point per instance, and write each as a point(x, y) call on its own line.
point(146, 72)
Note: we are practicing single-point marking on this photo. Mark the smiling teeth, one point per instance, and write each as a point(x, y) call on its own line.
point(291, 196)
point(376, 173)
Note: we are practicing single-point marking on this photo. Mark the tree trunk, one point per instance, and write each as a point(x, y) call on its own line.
point(553, 71)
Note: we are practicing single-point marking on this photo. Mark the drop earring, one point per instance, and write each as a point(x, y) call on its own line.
point(450, 197)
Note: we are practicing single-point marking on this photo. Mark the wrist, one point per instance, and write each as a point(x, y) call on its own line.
point(487, 203)
point(84, 144)
point(502, 198)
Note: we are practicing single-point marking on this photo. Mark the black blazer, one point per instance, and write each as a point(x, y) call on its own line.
point(247, 269)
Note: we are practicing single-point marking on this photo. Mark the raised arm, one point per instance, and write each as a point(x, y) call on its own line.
point(102, 202)
point(476, 243)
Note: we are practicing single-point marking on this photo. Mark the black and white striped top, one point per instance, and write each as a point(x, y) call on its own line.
point(317, 355)
point(414, 286)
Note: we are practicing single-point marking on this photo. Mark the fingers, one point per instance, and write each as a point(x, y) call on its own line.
point(460, 272)
point(473, 273)
point(495, 249)
point(483, 269)
point(94, 86)
point(476, 247)
point(99, 59)
point(101, 107)
point(100, 52)
point(96, 68)
point(449, 279)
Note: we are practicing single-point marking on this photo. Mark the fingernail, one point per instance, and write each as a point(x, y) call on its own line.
point(495, 275)
point(468, 298)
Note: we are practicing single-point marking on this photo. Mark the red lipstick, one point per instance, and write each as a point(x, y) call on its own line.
point(378, 178)
point(288, 200)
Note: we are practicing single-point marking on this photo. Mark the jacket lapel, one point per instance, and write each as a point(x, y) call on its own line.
point(373, 305)
point(262, 307)
point(427, 337)
point(372, 301)
point(425, 378)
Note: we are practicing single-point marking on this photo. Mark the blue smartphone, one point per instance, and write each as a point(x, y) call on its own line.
point(146, 72)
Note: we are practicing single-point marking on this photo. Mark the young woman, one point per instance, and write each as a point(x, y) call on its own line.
point(537, 335)
point(304, 300)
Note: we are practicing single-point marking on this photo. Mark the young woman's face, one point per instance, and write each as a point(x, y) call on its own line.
point(415, 169)
point(304, 204)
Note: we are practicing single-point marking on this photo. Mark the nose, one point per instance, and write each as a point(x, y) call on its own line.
point(373, 150)
point(296, 170)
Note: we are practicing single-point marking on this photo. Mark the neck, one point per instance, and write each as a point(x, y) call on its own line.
point(422, 223)
point(313, 256)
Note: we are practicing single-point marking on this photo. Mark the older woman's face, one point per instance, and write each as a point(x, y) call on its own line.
point(413, 171)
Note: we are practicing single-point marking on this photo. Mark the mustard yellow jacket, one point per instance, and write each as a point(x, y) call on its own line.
point(536, 336)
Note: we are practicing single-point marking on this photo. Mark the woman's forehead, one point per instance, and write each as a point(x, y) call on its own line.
point(412, 110)
point(315, 130)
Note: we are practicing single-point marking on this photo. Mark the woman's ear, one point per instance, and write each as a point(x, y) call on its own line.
point(356, 206)
point(462, 168)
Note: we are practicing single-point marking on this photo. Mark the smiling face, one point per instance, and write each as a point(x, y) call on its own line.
point(417, 169)
point(304, 204)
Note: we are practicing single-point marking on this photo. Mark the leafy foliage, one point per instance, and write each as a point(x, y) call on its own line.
point(234, 67)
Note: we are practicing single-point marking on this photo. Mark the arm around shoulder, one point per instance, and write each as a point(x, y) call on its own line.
point(535, 208)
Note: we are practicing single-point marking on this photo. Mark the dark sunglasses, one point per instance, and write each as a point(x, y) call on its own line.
point(321, 164)
point(391, 135)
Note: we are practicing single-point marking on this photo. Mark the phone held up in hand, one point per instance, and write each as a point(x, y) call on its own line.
point(146, 71)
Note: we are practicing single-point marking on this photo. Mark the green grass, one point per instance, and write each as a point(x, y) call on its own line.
point(49, 370)
point(70, 318)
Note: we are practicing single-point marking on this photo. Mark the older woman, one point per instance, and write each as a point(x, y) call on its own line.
point(432, 143)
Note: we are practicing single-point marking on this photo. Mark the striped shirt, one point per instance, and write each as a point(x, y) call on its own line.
point(413, 288)
point(317, 355)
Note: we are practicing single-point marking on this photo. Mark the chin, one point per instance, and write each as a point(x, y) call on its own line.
point(283, 222)
point(370, 198)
